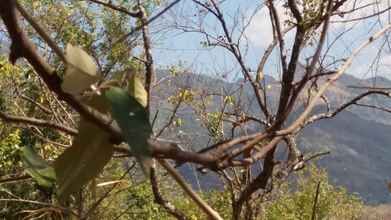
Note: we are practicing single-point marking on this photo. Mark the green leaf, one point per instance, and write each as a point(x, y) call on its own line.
point(81, 71)
point(91, 150)
point(85, 159)
point(38, 168)
point(137, 90)
point(132, 118)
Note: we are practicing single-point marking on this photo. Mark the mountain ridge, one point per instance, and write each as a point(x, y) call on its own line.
point(352, 164)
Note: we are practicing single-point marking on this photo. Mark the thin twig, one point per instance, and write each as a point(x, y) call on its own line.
point(36, 122)
point(189, 191)
point(138, 28)
point(172, 117)
point(106, 194)
point(14, 179)
point(161, 201)
point(40, 30)
point(117, 8)
point(315, 201)
point(39, 203)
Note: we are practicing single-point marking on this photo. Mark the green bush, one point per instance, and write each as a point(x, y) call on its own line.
point(333, 202)
point(9, 160)
point(290, 201)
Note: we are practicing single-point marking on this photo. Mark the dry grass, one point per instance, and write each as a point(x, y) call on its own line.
point(381, 212)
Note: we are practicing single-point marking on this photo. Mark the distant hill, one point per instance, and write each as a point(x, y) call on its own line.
point(359, 138)
point(360, 153)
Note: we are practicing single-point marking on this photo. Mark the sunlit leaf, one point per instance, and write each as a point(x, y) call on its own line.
point(229, 100)
point(132, 118)
point(38, 168)
point(260, 76)
point(81, 70)
point(91, 150)
point(109, 183)
point(137, 90)
point(173, 71)
point(178, 122)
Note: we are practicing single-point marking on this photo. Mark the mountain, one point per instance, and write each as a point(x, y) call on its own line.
point(359, 138)
point(360, 153)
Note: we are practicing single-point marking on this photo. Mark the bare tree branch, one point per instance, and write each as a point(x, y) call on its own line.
point(41, 32)
point(161, 201)
point(36, 122)
point(150, 20)
point(189, 191)
point(118, 8)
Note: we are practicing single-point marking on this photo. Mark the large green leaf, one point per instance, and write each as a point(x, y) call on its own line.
point(85, 159)
point(38, 168)
point(132, 118)
point(91, 150)
point(137, 90)
point(81, 70)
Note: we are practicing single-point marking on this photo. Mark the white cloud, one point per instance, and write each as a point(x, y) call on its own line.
point(260, 30)
point(366, 64)
point(386, 60)
point(260, 33)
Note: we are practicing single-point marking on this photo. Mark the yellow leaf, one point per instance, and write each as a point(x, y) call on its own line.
point(91, 150)
point(137, 90)
point(259, 76)
point(84, 160)
point(111, 183)
point(81, 70)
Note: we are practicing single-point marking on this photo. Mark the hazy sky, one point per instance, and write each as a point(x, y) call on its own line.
point(172, 47)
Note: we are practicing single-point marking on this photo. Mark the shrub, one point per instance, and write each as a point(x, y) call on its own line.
point(333, 202)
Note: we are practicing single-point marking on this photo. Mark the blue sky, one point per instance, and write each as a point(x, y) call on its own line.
point(172, 47)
